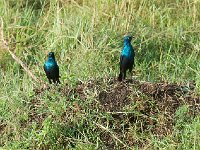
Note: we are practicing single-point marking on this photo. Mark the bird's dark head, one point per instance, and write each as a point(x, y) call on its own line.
point(127, 38)
point(51, 55)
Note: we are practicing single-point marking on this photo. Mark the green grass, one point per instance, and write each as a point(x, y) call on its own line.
point(87, 38)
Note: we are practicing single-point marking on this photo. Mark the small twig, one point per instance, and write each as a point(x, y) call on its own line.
point(120, 112)
point(6, 47)
point(112, 134)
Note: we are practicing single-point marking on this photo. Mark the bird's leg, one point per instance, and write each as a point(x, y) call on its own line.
point(124, 75)
point(54, 81)
point(120, 77)
point(120, 74)
point(58, 81)
point(131, 69)
point(50, 81)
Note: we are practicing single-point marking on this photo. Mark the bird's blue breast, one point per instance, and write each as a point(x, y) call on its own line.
point(128, 51)
point(50, 64)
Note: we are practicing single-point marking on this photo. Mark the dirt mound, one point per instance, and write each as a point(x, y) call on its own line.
point(132, 106)
point(151, 105)
point(115, 95)
point(114, 99)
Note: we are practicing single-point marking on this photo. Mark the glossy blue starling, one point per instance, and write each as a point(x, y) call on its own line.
point(51, 69)
point(126, 58)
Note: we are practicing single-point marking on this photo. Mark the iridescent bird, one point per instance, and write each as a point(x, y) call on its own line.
point(126, 58)
point(51, 69)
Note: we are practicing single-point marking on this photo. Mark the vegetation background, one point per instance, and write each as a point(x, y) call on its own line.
point(87, 38)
